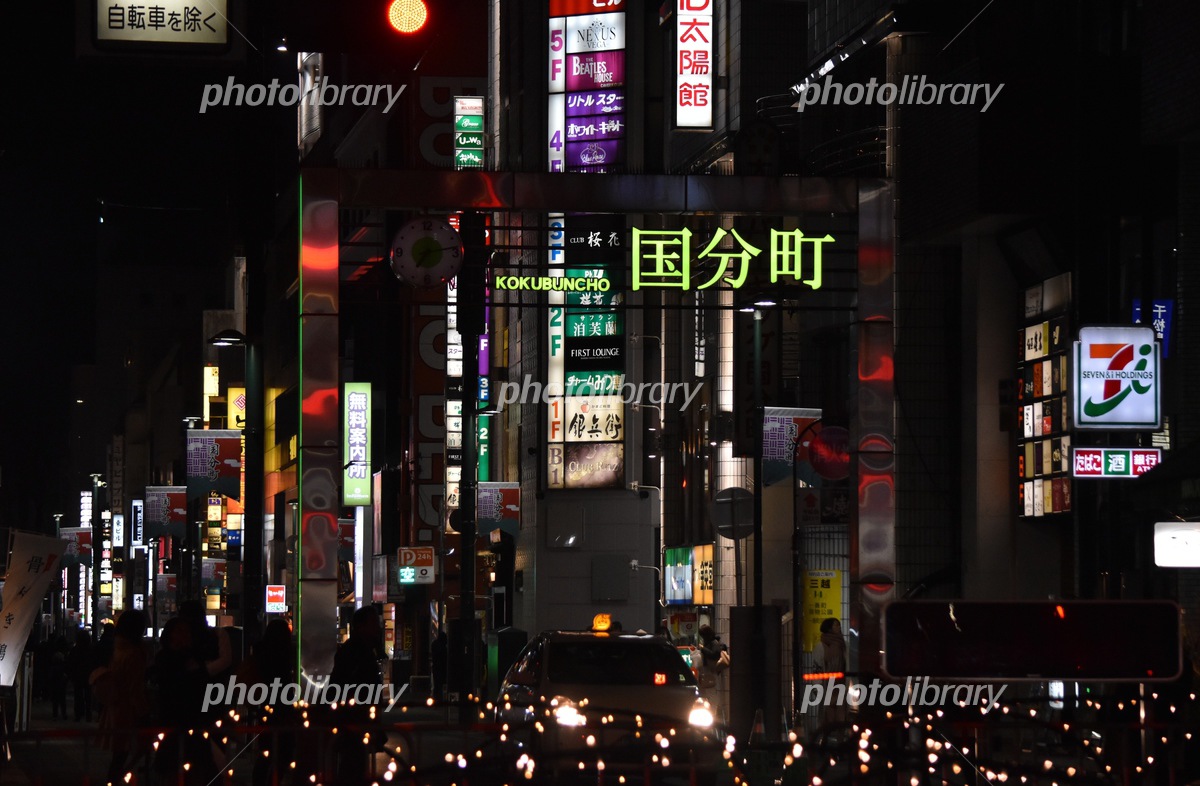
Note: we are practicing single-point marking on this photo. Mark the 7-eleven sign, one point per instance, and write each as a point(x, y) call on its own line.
point(1117, 379)
point(416, 565)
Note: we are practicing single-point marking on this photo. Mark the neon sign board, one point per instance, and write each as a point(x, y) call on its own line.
point(356, 444)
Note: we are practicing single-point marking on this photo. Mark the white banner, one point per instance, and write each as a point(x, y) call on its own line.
point(33, 562)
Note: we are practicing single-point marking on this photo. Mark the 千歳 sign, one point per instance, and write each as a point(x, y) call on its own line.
point(1117, 379)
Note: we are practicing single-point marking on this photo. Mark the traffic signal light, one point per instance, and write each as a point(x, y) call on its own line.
point(407, 16)
point(392, 34)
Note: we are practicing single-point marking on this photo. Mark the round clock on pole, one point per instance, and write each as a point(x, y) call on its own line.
point(426, 251)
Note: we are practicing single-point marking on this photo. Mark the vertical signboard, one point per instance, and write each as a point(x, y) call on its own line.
point(677, 576)
point(468, 132)
point(703, 575)
point(1043, 390)
point(586, 414)
point(585, 95)
point(137, 525)
point(356, 444)
point(694, 63)
point(822, 600)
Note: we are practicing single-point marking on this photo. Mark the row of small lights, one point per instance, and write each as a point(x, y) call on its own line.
point(526, 764)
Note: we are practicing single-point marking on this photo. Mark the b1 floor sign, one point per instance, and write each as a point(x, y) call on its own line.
point(416, 565)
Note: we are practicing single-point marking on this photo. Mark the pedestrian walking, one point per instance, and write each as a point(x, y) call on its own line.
point(120, 687)
point(79, 669)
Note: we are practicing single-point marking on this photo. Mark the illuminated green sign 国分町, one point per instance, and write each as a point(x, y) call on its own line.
point(664, 259)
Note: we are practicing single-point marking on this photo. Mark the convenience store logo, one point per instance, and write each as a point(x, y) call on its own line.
point(1119, 380)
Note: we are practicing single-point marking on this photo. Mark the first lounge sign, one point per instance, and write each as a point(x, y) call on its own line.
point(1118, 381)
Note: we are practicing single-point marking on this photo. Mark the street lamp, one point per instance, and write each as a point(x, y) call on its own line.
point(60, 620)
point(252, 505)
point(97, 552)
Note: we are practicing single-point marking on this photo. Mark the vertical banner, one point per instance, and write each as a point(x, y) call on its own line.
point(356, 444)
point(678, 583)
point(822, 599)
point(166, 511)
point(782, 429)
point(31, 565)
point(214, 463)
point(498, 506)
point(78, 548)
point(317, 564)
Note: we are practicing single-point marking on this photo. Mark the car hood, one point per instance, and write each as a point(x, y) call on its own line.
point(654, 703)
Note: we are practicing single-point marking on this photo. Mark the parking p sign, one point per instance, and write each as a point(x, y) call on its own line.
point(416, 565)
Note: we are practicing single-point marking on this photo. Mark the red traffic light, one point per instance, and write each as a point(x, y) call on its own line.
point(407, 16)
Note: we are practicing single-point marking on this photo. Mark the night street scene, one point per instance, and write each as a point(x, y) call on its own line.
point(689, 392)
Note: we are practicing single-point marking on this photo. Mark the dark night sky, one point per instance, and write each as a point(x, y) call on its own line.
point(76, 133)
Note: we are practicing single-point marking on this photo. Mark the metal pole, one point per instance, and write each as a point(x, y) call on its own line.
point(798, 568)
point(471, 288)
point(96, 550)
point(60, 591)
point(758, 640)
point(252, 518)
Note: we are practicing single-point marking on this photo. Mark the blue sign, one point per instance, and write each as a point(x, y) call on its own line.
point(1161, 312)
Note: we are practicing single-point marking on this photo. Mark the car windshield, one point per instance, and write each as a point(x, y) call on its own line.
point(615, 662)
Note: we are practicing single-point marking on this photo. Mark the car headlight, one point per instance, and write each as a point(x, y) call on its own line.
point(567, 714)
point(701, 717)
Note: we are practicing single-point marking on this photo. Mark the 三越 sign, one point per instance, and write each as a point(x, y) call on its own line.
point(1117, 384)
point(1113, 462)
point(416, 565)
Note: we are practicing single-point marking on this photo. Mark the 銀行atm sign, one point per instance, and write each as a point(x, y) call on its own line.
point(1113, 462)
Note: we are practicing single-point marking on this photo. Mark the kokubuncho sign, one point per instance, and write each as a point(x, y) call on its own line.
point(1117, 379)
